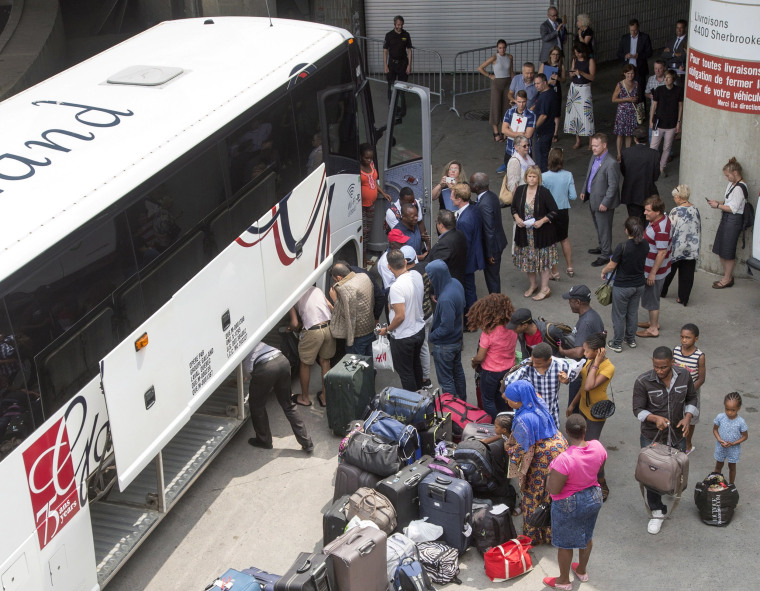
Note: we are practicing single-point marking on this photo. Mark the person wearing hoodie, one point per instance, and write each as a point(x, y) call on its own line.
point(446, 331)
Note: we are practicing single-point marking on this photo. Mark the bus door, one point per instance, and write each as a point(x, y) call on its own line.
point(407, 155)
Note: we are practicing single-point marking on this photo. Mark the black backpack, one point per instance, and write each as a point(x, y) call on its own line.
point(474, 459)
point(748, 217)
point(489, 530)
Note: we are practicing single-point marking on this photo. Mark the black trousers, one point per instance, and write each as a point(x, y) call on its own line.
point(406, 360)
point(397, 71)
point(685, 269)
point(636, 211)
point(274, 375)
point(491, 275)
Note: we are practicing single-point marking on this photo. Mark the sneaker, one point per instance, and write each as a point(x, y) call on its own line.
point(631, 344)
point(614, 347)
point(502, 169)
point(426, 384)
point(655, 524)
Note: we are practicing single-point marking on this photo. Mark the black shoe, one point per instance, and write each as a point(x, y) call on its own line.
point(256, 442)
point(427, 384)
point(309, 447)
point(600, 262)
point(595, 251)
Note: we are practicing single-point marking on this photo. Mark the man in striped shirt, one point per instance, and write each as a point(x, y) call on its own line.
point(657, 265)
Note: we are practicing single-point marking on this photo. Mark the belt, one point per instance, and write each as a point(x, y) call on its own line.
point(266, 358)
point(318, 326)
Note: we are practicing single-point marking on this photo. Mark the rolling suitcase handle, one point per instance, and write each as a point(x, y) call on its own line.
point(318, 576)
point(438, 489)
point(409, 482)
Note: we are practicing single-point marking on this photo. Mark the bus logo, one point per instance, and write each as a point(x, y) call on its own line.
point(50, 475)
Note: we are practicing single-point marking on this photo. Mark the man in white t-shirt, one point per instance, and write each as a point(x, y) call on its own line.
point(407, 322)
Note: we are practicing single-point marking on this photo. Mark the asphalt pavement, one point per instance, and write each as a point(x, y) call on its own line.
point(260, 508)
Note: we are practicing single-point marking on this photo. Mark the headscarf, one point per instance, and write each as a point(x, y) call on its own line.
point(533, 421)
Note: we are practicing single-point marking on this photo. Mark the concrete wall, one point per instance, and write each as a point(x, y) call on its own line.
point(32, 47)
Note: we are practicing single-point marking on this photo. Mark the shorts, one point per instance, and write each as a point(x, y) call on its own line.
point(316, 342)
point(727, 454)
point(574, 518)
point(650, 299)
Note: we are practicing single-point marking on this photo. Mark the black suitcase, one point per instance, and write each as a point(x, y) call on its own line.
point(348, 389)
point(402, 491)
point(349, 479)
point(310, 572)
point(335, 520)
point(440, 431)
point(447, 502)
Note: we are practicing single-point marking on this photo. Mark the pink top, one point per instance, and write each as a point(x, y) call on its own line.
point(500, 343)
point(580, 465)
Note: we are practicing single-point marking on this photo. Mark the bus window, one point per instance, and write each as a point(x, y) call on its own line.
point(56, 309)
point(253, 204)
point(407, 132)
point(266, 144)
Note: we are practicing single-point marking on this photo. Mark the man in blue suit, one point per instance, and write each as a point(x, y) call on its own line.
point(469, 222)
point(494, 238)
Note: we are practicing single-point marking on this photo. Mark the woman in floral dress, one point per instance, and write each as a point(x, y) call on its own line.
point(626, 97)
point(534, 211)
point(534, 443)
point(686, 235)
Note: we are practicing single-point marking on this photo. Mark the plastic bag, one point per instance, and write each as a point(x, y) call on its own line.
point(420, 530)
point(356, 522)
point(381, 350)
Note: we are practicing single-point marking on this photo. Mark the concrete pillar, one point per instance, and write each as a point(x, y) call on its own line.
point(721, 115)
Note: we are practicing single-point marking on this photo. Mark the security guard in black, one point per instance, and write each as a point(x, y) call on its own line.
point(397, 54)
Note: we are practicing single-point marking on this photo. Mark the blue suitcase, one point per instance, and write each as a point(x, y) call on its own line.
point(447, 502)
point(265, 580)
point(234, 580)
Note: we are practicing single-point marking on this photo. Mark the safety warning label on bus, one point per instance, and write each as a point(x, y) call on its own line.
point(50, 475)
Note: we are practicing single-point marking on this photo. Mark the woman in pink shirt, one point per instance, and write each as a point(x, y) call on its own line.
point(496, 348)
point(576, 500)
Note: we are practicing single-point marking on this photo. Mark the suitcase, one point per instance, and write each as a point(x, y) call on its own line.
point(447, 502)
point(349, 479)
point(440, 431)
point(310, 572)
point(234, 580)
point(401, 489)
point(265, 580)
point(462, 413)
point(478, 431)
point(369, 505)
point(359, 560)
point(335, 519)
point(348, 389)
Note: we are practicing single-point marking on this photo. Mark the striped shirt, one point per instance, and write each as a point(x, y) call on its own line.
point(658, 237)
point(689, 362)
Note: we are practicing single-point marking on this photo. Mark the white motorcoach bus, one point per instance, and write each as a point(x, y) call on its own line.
point(164, 205)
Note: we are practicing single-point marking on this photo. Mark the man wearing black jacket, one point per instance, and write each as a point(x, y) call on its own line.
point(636, 48)
point(451, 247)
point(494, 238)
point(640, 167)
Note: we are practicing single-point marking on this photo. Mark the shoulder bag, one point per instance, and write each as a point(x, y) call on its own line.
point(505, 195)
point(604, 292)
point(603, 409)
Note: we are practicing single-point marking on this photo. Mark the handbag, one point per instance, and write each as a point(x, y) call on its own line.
point(604, 293)
point(641, 113)
point(662, 468)
point(370, 505)
point(509, 560)
point(542, 516)
point(381, 351)
point(505, 195)
point(603, 409)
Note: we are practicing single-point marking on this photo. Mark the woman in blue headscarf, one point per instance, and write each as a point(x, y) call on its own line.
point(535, 442)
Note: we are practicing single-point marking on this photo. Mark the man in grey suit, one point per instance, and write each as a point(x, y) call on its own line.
point(494, 238)
point(601, 190)
point(552, 32)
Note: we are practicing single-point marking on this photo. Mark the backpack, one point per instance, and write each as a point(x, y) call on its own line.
point(461, 413)
point(446, 465)
point(398, 548)
point(440, 561)
point(411, 576)
point(396, 213)
point(748, 217)
point(489, 529)
point(474, 458)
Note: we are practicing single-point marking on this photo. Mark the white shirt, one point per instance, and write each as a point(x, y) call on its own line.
point(313, 308)
point(408, 289)
point(390, 217)
point(459, 211)
point(634, 43)
point(385, 273)
point(479, 196)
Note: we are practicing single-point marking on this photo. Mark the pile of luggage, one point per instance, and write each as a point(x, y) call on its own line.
point(415, 487)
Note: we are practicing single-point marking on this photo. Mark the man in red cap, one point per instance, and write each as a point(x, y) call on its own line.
point(396, 239)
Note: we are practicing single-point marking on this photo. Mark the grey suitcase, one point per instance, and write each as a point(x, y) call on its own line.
point(447, 502)
point(359, 560)
point(349, 479)
point(348, 389)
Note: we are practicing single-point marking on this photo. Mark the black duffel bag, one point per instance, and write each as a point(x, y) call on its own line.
point(372, 454)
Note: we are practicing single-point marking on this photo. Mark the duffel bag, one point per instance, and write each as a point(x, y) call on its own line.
point(411, 408)
point(372, 454)
point(462, 413)
point(509, 560)
point(389, 429)
point(368, 504)
point(716, 500)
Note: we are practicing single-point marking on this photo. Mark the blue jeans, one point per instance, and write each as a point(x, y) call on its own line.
point(625, 313)
point(362, 345)
point(448, 369)
point(493, 403)
point(654, 499)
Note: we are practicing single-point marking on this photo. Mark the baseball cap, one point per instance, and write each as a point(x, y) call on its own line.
point(397, 235)
point(409, 254)
point(578, 292)
point(519, 316)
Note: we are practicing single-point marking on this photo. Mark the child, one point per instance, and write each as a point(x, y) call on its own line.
point(687, 355)
point(503, 429)
point(730, 430)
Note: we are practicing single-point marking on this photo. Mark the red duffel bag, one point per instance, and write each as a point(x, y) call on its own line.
point(509, 560)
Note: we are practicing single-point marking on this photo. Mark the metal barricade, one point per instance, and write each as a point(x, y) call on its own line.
point(427, 67)
point(467, 79)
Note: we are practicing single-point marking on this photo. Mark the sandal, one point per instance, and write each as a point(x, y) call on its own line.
point(555, 276)
point(542, 295)
point(570, 272)
point(530, 291)
point(582, 578)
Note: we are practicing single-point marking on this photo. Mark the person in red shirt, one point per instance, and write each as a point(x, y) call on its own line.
point(370, 189)
point(657, 265)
